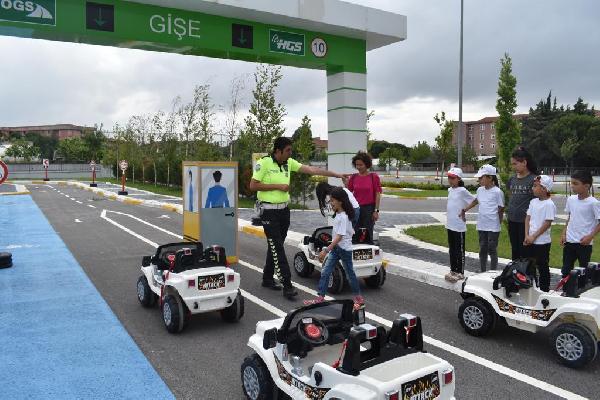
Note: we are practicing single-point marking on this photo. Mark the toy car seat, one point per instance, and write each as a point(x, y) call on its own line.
point(519, 274)
point(322, 237)
point(361, 236)
point(185, 259)
point(593, 273)
point(215, 256)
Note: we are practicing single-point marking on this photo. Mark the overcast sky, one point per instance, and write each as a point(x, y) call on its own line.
point(553, 44)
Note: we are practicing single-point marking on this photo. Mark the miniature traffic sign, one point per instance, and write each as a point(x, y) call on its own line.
point(3, 172)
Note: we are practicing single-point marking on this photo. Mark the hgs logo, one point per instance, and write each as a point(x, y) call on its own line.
point(288, 45)
point(35, 10)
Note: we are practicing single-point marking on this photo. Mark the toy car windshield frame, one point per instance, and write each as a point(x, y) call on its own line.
point(322, 311)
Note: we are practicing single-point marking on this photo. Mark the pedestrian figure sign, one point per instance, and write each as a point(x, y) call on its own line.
point(123, 165)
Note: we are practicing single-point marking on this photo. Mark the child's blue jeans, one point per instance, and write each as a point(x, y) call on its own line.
point(334, 256)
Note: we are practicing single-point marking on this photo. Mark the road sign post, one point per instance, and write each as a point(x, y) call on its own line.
point(46, 164)
point(93, 166)
point(123, 165)
point(3, 172)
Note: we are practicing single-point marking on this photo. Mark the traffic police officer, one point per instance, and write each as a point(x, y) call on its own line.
point(271, 179)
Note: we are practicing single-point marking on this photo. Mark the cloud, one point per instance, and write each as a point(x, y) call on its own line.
point(552, 44)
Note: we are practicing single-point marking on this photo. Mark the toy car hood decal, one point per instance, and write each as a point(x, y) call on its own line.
point(311, 392)
point(541, 315)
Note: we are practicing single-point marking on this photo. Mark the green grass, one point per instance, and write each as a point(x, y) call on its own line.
point(437, 234)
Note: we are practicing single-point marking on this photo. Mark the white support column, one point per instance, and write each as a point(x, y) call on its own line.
point(346, 119)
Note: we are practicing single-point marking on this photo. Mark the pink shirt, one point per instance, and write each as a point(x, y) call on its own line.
point(365, 187)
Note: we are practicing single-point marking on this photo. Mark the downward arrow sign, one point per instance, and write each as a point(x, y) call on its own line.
point(99, 21)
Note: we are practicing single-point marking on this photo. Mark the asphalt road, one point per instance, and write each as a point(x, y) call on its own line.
point(204, 360)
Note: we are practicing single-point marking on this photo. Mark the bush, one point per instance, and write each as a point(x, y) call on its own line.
point(424, 186)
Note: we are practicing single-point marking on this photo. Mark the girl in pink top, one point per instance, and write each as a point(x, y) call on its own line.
point(366, 188)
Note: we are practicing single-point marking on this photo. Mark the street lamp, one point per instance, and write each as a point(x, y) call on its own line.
point(460, 90)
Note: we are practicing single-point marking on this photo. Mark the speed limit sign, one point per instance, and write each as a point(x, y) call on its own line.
point(123, 164)
point(319, 47)
point(3, 172)
point(46, 163)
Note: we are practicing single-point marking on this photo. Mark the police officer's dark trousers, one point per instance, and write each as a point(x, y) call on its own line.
point(276, 224)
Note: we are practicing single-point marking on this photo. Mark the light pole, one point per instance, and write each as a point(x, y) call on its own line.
point(460, 90)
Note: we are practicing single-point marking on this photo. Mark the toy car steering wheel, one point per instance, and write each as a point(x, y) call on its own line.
point(313, 331)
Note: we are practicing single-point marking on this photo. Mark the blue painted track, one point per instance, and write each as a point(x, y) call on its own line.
point(59, 338)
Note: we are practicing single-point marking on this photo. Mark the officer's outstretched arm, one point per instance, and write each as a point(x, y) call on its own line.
point(307, 169)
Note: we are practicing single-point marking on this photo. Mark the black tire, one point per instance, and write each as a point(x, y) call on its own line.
point(145, 295)
point(235, 311)
point(5, 260)
point(173, 314)
point(574, 345)
point(377, 280)
point(336, 282)
point(257, 383)
point(301, 265)
point(477, 317)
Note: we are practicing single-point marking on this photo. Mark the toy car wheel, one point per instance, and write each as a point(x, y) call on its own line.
point(173, 314)
point(336, 281)
point(574, 345)
point(302, 266)
point(377, 280)
point(256, 379)
point(235, 311)
point(145, 295)
point(476, 317)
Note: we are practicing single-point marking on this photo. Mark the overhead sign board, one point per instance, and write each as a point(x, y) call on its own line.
point(32, 12)
point(242, 36)
point(100, 17)
point(286, 42)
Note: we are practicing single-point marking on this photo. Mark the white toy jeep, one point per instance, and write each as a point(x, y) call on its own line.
point(572, 314)
point(187, 279)
point(327, 351)
point(366, 259)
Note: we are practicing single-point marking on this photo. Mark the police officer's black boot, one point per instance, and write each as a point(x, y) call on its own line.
point(272, 284)
point(289, 292)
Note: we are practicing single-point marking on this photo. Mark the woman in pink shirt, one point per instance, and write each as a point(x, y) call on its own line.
point(366, 188)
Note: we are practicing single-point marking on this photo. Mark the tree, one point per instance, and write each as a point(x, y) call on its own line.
point(302, 186)
point(392, 156)
point(232, 127)
point(444, 140)
point(94, 141)
point(73, 149)
point(189, 116)
point(508, 129)
point(370, 115)
point(419, 152)
point(265, 122)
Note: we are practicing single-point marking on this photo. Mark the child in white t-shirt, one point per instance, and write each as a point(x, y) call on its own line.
point(458, 198)
point(582, 225)
point(540, 214)
point(340, 247)
point(489, 218)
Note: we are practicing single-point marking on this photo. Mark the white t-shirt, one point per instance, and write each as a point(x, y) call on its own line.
point(343, 226)
point(489, 201)
point(458, 198)
point(352, 199)
point(583, 217)
point(540, 211)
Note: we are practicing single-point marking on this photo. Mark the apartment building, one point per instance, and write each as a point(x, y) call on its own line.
point(481, 135)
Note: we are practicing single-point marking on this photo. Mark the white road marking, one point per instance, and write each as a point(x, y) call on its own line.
point(77, 220)
point(511, 373)
point(78, 202)
point(91, 206)
point(164, 216)
point(147, 223)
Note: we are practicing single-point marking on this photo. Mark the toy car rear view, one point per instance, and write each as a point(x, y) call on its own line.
point(571, 312)
point(327, 351)
point(366, 259)
point(186, 279)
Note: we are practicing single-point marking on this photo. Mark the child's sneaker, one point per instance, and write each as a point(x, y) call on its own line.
point(359, 301)
point(459, 276)
point(317, 300)
point(451, 277)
